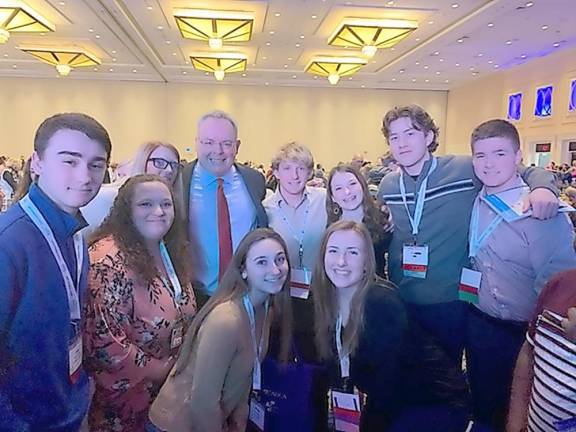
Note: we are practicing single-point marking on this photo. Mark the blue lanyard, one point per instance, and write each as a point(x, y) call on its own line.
point(257, 374)
point(476, 240)
point(171, 272)
point(419, 208)
point(79, 247)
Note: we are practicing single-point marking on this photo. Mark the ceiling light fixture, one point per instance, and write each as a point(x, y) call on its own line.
point(334, 67)
point(17, 17)
point(219, 64)
point(63, 60)
point(370, 35)
point(215, 27)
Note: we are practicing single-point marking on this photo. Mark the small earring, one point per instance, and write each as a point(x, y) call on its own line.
point(244, 275)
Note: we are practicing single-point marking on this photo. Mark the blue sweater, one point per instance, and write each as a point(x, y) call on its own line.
point(36, 393)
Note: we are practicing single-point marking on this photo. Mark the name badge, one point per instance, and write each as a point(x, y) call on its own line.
point(257, 414)
point(176, 337)
point(345, 411)
point(75, 358)
point(300, 283)
point(567, 425)
point(415, 261)
point(469, 285)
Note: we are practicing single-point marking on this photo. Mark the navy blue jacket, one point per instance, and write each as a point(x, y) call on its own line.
point(36, 393)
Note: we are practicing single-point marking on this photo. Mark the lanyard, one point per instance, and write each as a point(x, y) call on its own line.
point(418, 210)
point(475, 239)
point(298, 236)
point(344, 358)
point(79, 247)
point(171, 272)
point(256, 376)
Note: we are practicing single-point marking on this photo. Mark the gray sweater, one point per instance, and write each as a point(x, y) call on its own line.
point(450, 195)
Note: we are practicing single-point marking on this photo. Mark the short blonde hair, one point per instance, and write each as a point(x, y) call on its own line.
point(295, 152)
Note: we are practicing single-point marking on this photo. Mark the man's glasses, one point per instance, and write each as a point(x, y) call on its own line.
point(162, 163)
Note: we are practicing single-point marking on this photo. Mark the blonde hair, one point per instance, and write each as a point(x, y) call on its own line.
point(140, 161)
point(295, 152)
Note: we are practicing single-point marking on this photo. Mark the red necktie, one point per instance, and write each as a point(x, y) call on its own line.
point(224, 230)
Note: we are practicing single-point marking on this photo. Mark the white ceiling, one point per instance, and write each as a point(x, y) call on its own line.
point(457, 40)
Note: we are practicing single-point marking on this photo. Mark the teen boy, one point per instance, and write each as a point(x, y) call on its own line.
point(430, 200)
point(43, 277)
point(513, 260)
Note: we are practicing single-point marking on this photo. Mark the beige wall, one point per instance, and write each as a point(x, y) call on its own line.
point(484, 99)
point(335, 123)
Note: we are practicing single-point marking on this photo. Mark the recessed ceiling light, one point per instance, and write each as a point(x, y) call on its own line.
point(529, 4)
point(471, 68)
point(297, 45)
point(426, 67)
point(556, 45)
point(14, 66)
point(436, 53)
point(446, 81)
point(160, 27)
point(480, 55)
point(206, 73)
point(393, 49)
point(455, 5)
point(91, 30)
point(417, 63)
point(523, 56)
point(349, 78)
point(475, 73)
point(301, 36)
point(293, 76)
point(5, 55)
point(438, 72)
point(110, 70)
point(149, 7)
point(266, 83)
point(314, 16)
point(285, 66)
point(426, 80)
point(62, 3)
point(113, 59)
point(243, 74)
point(95, 69)
point(508, 42)
point(268, 44)
point(173, 53)
point(393, 79)
point(413, 79)
point(430, 22)
point(264, 57)
point(114, 51)
point(272, 32)
point(401, 71)
point(490, 24)
point(184, 72)
point(97, 36)
point(390, 3)
point(134, 71)
point(277, 14)
point(460, 40)
point(441, 60)
point(289, 58)
point(168, 42)
point(315, 76)
point(496, 66)
point(544, 27)
point(457, 64)
point(490, 61)
point(417, 39)
point(362, 86)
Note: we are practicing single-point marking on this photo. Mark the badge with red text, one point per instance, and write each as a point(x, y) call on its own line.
point(469, 285)
point(346, 411)
point(300, 283)
point(415, 261)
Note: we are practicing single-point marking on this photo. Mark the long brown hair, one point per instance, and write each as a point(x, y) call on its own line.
point(325, 295)
point(233, 287)
point(120, 226)
point(374, 219)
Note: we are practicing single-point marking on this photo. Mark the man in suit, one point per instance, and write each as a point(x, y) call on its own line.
point(223, 200)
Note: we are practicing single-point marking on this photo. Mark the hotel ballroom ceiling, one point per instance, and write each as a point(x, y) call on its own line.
point(138, 40)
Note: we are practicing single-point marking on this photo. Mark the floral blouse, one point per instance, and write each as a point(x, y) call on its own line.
point(130, 338)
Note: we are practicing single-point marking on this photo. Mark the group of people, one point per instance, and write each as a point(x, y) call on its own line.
point(153, 303)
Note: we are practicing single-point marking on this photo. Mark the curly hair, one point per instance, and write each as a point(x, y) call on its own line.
point(374, 219)
point(420, 119)
point(120, 226)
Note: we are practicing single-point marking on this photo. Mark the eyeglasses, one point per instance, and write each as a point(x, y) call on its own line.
point(162, 163)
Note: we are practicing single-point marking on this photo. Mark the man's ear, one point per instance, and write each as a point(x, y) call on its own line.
point(36, 163)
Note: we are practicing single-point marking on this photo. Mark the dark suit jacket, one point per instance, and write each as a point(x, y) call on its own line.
point(254, 183)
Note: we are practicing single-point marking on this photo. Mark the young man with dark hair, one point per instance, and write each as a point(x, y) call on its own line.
point(430, 199)
point(512, 258)
point(43, 279)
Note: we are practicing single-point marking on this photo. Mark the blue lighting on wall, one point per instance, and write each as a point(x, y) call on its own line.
point(572, 104)
point(515, 106)
point(543, 102)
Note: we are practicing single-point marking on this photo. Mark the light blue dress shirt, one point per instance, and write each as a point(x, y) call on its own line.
point(203, 219)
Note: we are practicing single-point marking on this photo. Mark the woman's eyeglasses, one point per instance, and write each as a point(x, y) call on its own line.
point(161, 163)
